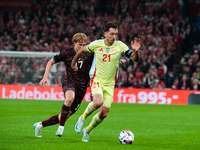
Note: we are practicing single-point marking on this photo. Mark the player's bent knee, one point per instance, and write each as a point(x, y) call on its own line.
point(97, 104)
point(103, 115)
point(103, 112)
point(69, 101)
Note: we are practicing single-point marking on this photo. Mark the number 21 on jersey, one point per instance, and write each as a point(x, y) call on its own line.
point(95, 85)
point(106, 57)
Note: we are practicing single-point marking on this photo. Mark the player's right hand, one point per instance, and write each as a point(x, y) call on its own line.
point(43, 82)
point(74, 67)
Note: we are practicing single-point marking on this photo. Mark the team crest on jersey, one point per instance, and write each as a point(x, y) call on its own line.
point(85, 57)
point(100, 50)
point(107, 50)
point(114, 50)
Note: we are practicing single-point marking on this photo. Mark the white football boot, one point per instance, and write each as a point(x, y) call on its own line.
point(79, 124)
point(38, 126)
point(60, 131)
point(86, 135)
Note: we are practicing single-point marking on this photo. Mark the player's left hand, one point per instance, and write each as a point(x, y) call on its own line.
point(122, 61)
point(136, 45)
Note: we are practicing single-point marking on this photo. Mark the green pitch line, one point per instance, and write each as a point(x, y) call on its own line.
point(155, 127)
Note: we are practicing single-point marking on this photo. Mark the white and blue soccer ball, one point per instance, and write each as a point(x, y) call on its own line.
point(126, 137)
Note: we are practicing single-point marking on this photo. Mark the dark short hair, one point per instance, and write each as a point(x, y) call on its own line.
point(110, 25)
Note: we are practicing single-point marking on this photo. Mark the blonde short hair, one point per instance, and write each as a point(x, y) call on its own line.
point(79, 37)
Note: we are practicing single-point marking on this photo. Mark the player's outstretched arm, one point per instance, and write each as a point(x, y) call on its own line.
point(46, 74)
point(78, 55)
point(135, 46)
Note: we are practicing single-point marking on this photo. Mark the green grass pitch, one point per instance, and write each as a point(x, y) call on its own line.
point(155, 127)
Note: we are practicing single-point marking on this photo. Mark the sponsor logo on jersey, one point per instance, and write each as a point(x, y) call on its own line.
point(100, 50)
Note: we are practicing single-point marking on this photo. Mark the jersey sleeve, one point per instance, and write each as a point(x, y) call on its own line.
point(62, 55)
point(123, 47)
point(91, 47)
point(56, 59)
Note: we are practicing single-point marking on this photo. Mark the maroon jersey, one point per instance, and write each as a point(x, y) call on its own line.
point(79, 79)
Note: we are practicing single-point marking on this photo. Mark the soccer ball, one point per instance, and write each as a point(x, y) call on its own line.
point(126, 137)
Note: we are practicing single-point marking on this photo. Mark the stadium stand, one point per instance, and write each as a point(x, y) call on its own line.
point(170, 39)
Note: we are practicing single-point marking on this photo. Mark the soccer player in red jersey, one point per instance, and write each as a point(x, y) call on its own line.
point(74, 85)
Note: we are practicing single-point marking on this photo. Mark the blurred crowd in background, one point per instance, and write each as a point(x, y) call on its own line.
point(170, 51)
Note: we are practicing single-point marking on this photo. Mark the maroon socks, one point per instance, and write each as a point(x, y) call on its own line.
point(51, 121)
point(64, 114)
point(54, 119)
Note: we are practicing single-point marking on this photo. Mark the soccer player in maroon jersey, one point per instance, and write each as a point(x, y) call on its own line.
point(74, 85)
